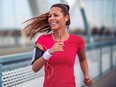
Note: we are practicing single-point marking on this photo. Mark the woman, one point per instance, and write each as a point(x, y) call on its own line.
point(57, 49)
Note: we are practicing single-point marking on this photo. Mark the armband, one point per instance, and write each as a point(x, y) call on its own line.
point(37, 53)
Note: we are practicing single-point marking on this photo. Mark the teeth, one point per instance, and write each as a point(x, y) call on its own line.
point(53, 23)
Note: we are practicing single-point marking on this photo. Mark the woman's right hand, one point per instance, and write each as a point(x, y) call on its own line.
point(56, 48)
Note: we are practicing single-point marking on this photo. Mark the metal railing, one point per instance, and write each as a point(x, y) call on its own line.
point(16, 69)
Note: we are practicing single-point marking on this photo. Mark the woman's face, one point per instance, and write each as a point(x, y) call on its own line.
point(56, 18)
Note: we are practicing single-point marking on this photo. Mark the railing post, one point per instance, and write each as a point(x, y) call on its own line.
point(0, 75)
point(111, 57)
point(100, 65)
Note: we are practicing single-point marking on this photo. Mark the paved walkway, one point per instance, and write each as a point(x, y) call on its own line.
point(108, 80)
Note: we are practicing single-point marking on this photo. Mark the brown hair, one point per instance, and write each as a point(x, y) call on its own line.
point(65, 9)
point(40, 23)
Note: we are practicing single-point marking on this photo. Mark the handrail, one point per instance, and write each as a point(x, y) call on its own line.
point(99, 44)
point(20, 56)
point(27, 55)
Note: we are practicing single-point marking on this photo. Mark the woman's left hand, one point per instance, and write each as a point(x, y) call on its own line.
point(88, 81)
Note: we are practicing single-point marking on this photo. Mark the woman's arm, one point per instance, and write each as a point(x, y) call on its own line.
point(38, 64)
point(84, 67)
point(83, 62)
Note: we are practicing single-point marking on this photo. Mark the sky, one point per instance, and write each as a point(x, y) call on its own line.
point(14, 13)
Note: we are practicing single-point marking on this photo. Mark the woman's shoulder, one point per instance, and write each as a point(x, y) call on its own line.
point(43, 37)
point(76, 36)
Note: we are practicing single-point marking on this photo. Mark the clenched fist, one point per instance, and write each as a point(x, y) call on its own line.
point(56, 48)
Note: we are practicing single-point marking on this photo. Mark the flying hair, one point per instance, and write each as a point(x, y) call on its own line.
point(39, 24)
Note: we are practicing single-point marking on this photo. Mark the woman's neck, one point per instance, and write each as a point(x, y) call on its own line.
point(60, 35)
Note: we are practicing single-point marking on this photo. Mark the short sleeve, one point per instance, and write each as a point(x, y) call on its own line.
point(81, 44)
point(40, 41)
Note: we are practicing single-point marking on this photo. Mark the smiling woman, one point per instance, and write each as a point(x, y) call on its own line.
point(58, 49)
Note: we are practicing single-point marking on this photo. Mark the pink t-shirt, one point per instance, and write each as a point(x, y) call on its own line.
point(59, 69)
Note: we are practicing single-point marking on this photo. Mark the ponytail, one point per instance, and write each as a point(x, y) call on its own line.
point(37, 24)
